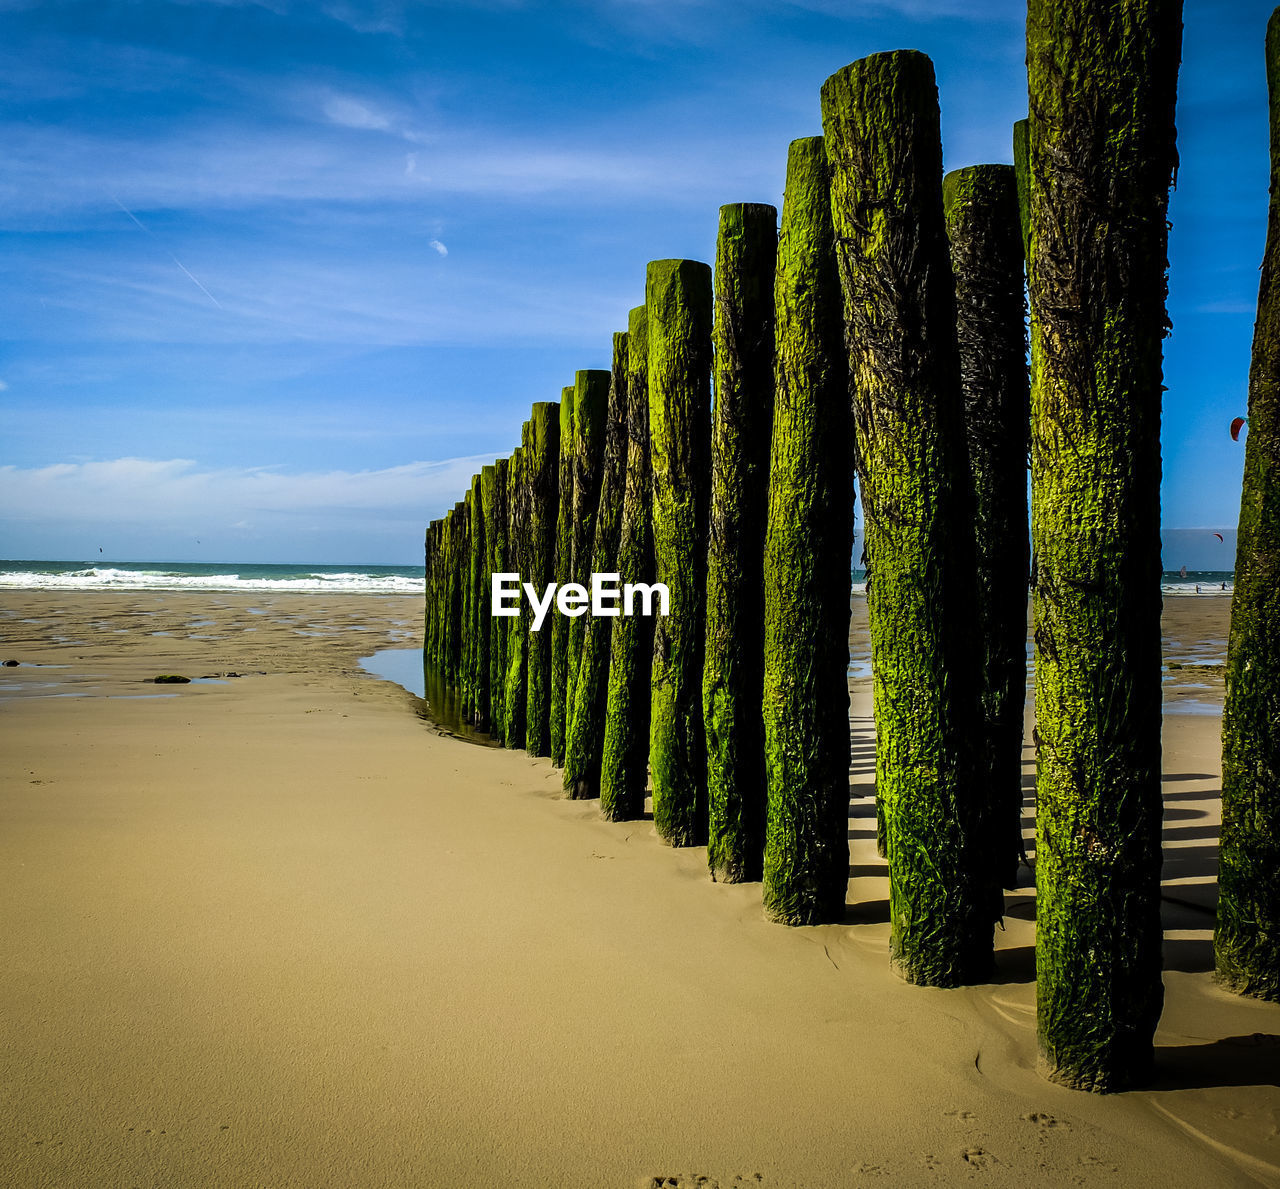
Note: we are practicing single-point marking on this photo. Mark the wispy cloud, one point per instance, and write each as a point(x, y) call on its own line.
point(349, 112)
point(68, 173)
point(179, 494)
point(439, 247)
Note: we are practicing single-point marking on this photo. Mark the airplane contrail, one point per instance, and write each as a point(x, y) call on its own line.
point(195, 281)
point(190, 276)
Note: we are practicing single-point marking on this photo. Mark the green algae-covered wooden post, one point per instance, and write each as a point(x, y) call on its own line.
point(429, 590)
point(624, 770)
point(981, 204)
point(590, 410)
point(456, 522)
point(462, 600)
point(678, 298)
point(806, 572)
point(1247, 941)
point(563, 573)
point(1021, 164)
point(586, 717)
point(880, 116)
point(483, 617)
point(544, 463)
point(742, 419)
point(439, 602)
point(476, 560)
point(471, 576)
point(498, 564)
point(515, 695)
point(444, 594)
point(1102, 82)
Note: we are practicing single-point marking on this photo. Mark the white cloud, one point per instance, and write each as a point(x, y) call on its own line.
point(349, 112)
point(178, 495)
point(1226, 306)
point(439, 247)
point(60, 171)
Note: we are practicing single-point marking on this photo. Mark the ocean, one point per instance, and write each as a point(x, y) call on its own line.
point(250, 577)
point(344, 579)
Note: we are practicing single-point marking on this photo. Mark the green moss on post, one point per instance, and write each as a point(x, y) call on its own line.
point(809, 538)
point(624, 771)
point(438, 594)
point(543, 463)
point(585, 734)
point(442, 595)
point(590, 409)
point(1021, 164)
point(1102, 82)
point(733, 668)
point(457, 522)
point(981, 205)
point(880, 116)
point(1247, 940)
point(430, 563)
point(515, 697)
point(483, 586)
point(498, 564)
point(678, 299)
point(473, 565)
point(563, 573)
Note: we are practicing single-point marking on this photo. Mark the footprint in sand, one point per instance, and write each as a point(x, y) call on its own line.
point(1045, 1121)
point(978, 1158)
point(753, 1180)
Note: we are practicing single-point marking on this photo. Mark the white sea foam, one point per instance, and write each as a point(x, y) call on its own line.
point(301, 582)
point(1182, 588)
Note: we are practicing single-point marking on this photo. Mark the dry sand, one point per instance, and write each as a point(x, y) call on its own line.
point(278, 932)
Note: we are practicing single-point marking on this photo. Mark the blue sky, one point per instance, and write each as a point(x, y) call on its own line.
point(279, 276)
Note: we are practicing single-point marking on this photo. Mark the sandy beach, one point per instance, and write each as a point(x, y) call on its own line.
point(275, 930)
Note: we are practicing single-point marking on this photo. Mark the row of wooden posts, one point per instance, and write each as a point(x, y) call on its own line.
point(880, 331)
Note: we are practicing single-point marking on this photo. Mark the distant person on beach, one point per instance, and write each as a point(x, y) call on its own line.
point(1198, 591)
point(1183, 571)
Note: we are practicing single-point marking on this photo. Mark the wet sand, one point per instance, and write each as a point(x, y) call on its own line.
point(274, 930)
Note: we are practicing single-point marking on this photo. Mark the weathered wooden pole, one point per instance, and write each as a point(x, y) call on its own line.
point(543, 463)
point(1247, 940)
point(880, 116)
point(624, 771)
point(1103, 82)
point(590, 409)
point(1021, 167)
point(806, 572)
point(563, 573)
point(498, 564)
point(515, 696)
point(453, 638)
point(981, 205)
point(678, 298)
point(584, 743)
point(429, 588)
point(438, 593)
point(471, 577)
point(483, 585)
point(742, 421)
